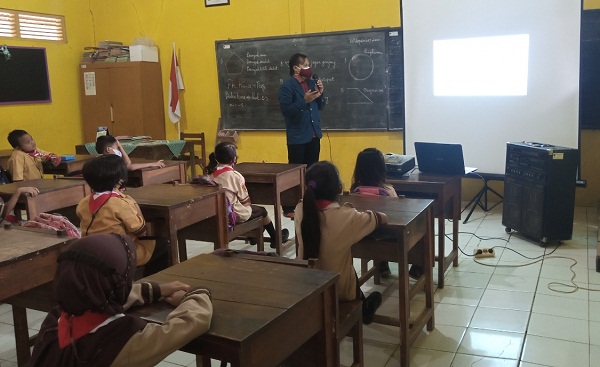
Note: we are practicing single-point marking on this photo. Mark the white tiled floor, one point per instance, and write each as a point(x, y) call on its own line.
point(510, 312)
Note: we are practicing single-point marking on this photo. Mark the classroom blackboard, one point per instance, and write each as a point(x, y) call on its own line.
point(24, 76)
point(362, 72)
point(589, 75)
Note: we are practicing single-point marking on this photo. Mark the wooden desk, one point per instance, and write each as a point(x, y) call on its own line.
point(174, 207)
point(54, 194)
point(266, 183)
point(149, 151)
point(27, 260)
point(263, 311)
point(172, 171)
point(446, 192)
point(410, 227)
point(67, 167)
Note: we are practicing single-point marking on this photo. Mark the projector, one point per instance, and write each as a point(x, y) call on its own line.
point(397, 164)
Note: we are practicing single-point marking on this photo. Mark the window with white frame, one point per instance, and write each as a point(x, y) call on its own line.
point(35, 26)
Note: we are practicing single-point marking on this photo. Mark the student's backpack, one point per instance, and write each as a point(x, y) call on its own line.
point(231, 215)
point(5, 176)
point(53, 221)
point(370, 191)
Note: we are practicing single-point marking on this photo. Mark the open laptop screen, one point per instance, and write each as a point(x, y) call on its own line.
point(441, 158)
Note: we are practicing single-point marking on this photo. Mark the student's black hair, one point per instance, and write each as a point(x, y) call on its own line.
point(104, 141)
point(105, 172)
point(296, 59)
point(224, 153)
point(322, 183)
point(14, 136)
point(369, 169)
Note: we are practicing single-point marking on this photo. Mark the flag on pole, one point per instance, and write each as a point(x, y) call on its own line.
point(175, 85)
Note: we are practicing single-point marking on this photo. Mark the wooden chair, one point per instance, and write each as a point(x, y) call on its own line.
point(204, 231)
point(349, 315)
point(197, 155)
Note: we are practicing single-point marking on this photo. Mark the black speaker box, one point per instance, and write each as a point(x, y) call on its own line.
point(539, 190)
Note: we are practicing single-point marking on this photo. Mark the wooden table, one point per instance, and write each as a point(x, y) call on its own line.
point(54, 194)
point(263, 311)
point(445, 190)
point(172, 171)
point(174, 207)
point(409, 229)
point(67, 167)
point(267, 184)
point(27, 260)
point(152, 152)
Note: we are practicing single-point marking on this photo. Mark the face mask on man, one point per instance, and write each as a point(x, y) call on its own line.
point(306, 73)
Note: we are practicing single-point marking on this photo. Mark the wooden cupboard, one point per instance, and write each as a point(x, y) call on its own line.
point(126, 97)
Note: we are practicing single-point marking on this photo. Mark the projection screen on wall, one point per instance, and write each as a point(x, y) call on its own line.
point(486, 72)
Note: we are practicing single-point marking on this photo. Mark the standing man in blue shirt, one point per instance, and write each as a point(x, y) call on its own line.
point(300, 99)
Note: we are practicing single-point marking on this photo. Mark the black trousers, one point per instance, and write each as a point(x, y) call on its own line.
point(304, 154)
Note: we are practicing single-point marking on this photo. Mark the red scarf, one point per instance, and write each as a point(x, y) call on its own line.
point(71, 328)
point(221, 170)
point(322, 204)
point(97, 202)
point(35, 153)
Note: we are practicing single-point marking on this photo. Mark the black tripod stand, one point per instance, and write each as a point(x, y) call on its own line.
point(483, 193)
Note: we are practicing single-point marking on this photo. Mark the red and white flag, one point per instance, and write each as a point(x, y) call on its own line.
point(175, 85)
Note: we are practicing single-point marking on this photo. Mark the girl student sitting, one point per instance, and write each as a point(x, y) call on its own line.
point(327, 230)
point(369, 179)
point(108, 210)
point(220, 169)
point(94, 286)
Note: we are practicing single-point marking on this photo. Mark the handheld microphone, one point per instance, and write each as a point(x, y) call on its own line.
point(315, 77)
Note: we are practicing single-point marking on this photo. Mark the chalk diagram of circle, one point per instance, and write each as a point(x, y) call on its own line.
point(361, 66)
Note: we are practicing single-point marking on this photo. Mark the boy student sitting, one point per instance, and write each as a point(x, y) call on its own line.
point(108, 144)
point(108, 210)
point(25, 162)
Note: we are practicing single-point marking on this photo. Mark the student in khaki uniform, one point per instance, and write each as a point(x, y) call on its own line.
point(327, 230)
point(108, 210)
point(93, 287)
point(25, 162)
point(220, 168)
point(108, 144)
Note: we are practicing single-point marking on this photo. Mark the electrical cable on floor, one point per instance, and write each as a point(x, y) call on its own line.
point(552, 285)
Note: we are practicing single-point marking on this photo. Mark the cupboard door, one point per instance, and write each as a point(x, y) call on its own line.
point(125, 101)
point(95, 101)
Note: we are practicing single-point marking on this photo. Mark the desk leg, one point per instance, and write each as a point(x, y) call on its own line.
point(277, 209)
point(441, 249)
point(173, 244)
point(21, 335)
point(330, 352)
point(428, 242)
point(403, 303)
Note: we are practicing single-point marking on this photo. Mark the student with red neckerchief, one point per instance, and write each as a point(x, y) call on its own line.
point(25, 162)
point(327, 230)
point(109, 210)
point(221, 169)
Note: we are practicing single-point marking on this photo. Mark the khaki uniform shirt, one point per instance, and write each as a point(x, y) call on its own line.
point(120, 216)
point(341, 227)
point(23, 167)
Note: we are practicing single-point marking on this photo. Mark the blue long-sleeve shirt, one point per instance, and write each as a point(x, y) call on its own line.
point(302, 120)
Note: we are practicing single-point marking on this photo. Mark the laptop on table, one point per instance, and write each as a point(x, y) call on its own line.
point(441, 159)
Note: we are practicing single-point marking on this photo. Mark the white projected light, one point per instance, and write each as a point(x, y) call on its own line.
point(482, 66)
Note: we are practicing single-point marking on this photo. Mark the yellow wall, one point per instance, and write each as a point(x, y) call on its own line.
point(56, 126)
point(194, 28)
